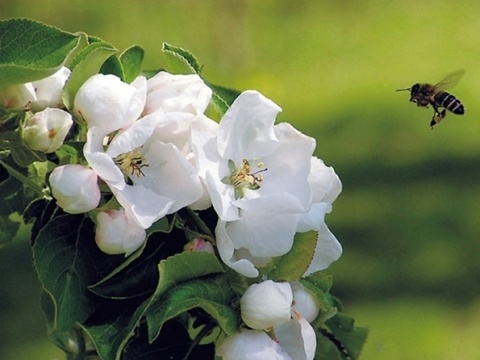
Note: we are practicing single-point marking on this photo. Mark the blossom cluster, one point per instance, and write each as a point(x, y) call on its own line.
point(150, 151)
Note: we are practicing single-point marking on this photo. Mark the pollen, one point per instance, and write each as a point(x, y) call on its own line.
point(131, 163)
point(52, 133)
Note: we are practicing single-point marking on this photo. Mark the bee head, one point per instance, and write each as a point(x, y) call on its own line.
point(413, 91)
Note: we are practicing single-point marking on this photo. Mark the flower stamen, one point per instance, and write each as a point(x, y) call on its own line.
point(242, 178)
point(131, 163)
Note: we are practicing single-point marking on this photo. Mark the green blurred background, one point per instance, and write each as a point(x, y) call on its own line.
point(409, 214)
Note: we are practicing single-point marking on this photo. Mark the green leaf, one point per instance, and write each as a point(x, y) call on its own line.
point(180, 61)
point(135, 276)
point(213, 295)
point(292, 265)
point(350, 337)
point(67, 260)
point(113, 66)
point(31, 51)
point(86, 64)
point(131, 60)
point(326, 348)
point(113, 325)
point(186, 266)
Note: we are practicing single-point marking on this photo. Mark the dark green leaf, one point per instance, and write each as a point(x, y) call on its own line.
point(350, 337)
point(326, 348)
point(180, 61)
point(213, 295)
point(67, 260)
point(31, 51)
point(113, 325)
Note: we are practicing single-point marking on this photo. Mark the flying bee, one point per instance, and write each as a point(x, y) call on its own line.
point(435, 95)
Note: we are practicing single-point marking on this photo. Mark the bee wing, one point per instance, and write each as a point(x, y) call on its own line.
point(450, 80)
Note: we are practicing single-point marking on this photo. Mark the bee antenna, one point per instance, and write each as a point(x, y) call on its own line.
point(404, 89)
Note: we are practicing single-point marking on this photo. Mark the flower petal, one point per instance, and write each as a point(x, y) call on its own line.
point(142, 204)
point(177, 93)
point(250, 345)
point(108, 102)
point(297, 338)
point(263, 235)
point(327, 251)
point(226, 251)
point(246, 129)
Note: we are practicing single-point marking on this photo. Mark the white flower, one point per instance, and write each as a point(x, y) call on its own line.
point(177, 93)
point(118, 233)
point(266, 305)
point(75, 188)
point(46, 130)
point(326, 187)
point(297, 338)
point(304, 302)
point(17, 97)
point(149, 178)
point(105, 101)
point(256, 174)
point(49, 90)
point(251, 345)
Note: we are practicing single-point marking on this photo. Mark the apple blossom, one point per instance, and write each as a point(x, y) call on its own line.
point(107, 102)
point(118, 233)
point(49, 90)
point(251, 345)
point(17, 97)
point(46, 130)
point(148, 177)
point(266, 304)
point(256, 175)
point(326, 187)
point(75, 188)
point(176, 93)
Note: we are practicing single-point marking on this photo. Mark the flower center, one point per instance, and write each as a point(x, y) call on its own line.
point(131, 163)
point(242, 177)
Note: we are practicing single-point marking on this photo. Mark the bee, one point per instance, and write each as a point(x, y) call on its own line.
point(428, 94)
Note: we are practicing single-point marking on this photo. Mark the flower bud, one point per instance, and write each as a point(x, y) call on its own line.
point(199, 245)
point(250, 345)
point(46, 130)
point(49, 90)
point(266, 305)
point(109, 103)
point(118, 233)
point(303, 302)
point(75, 188)
point(17, 96)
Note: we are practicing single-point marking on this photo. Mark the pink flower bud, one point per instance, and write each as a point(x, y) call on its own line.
point(46, 130)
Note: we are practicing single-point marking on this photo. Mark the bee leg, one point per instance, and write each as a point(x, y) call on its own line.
point(437, 117)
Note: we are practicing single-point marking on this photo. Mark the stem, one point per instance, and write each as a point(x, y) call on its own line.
point(207, 328)
point(197, 222)
point(25, 180)
point(81, 351)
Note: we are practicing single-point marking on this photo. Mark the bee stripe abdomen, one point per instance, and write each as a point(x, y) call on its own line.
point(450, 102)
